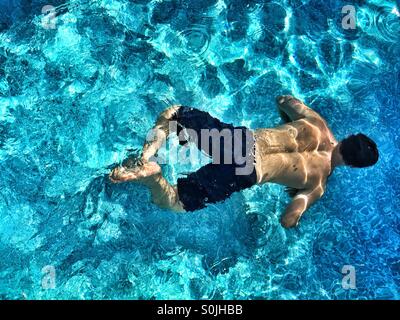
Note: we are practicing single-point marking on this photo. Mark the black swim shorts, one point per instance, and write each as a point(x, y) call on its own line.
point(232, 152)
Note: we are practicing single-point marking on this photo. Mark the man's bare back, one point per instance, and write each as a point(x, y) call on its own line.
point(297, 154)
point(300, 154)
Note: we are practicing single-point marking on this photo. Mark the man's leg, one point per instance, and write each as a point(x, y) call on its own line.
point(149, 173)
point(134, 169)
point(197, 189)
point(160, 133)
point(163, 194)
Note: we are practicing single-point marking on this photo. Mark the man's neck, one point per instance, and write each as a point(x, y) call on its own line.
point(336, 158)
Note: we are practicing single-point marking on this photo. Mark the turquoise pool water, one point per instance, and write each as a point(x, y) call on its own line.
point(76, 96)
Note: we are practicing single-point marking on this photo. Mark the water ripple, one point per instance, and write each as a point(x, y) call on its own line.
point(387, 24)
point(380, 22)
point(194, 40)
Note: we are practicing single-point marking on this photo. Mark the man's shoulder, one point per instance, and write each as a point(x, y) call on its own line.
point(316, 119)
point(320, 161)
point(324, 130)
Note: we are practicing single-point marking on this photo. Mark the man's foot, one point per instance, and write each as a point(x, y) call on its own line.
point(136, 174)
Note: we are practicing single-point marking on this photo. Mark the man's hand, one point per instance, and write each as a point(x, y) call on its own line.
point(292, 109)
point(300, 203)
point(282, 114)
point(291, 219)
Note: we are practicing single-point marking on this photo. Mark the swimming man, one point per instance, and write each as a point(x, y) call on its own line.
point(300, 154)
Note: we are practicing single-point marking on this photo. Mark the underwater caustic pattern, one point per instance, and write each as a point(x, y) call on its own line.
point(79, 92)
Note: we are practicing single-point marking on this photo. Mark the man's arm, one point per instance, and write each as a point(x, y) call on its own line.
point(292, 109)
point(300, 203)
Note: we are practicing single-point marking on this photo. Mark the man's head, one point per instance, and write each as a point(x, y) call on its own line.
point(359, 151)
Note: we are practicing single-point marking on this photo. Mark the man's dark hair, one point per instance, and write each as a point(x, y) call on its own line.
point(359, 151)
